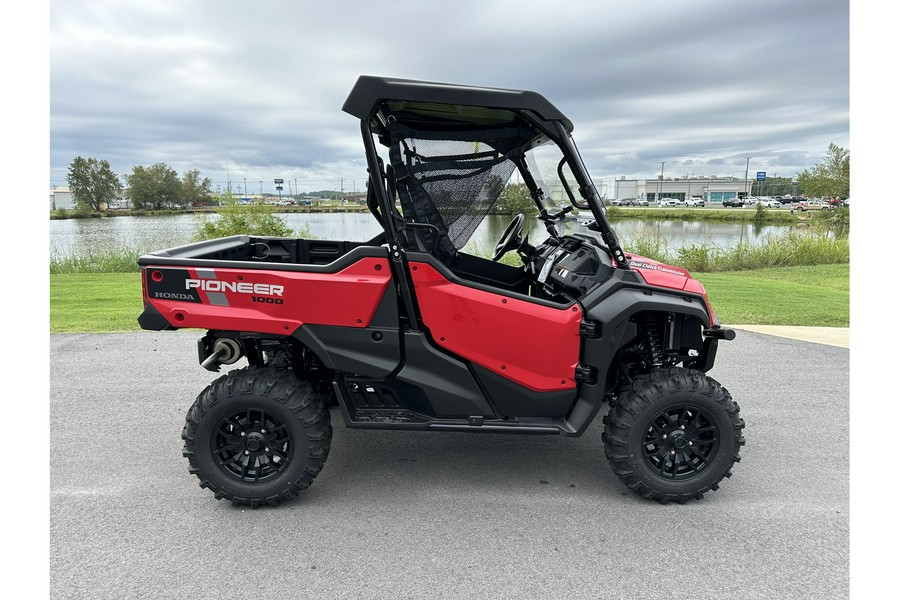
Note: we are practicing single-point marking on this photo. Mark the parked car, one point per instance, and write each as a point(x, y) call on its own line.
point(770, 203)
point(670, 202)
point(733, 203)
point(813, 205)
point(628, 202)
point(695, 201)
point(645, 202)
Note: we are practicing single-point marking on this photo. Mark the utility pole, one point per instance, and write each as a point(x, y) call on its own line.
point(246, 191)
point(746, 174)
point(662, 172)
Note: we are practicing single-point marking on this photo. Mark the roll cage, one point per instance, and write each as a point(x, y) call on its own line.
point(473, 139)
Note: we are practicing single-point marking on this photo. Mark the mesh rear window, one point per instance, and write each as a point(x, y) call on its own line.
point(460, 175)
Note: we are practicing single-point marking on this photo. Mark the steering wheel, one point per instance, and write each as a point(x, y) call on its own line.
point(511, 238)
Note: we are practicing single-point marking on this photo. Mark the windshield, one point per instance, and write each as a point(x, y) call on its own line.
point(554, 176)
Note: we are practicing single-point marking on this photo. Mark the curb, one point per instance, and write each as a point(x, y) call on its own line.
point(832, 336)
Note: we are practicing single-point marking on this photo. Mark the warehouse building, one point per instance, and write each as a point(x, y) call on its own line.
point(61, 198)
point(712, 189)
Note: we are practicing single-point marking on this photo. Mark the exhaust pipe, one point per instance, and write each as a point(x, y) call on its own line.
point(225, 351)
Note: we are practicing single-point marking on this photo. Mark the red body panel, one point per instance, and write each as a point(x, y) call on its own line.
point(348, 298)
point(534, 345)
point(667, 276)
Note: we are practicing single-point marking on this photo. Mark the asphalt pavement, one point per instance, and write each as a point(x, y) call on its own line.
point(442, 515)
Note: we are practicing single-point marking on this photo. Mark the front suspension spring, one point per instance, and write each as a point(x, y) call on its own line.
point(652, 337)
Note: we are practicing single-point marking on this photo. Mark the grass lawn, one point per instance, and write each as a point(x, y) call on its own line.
point(95, 302)
point(819, 295)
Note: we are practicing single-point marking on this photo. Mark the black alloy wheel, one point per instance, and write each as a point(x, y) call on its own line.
point(252, 446)
point(681, 442)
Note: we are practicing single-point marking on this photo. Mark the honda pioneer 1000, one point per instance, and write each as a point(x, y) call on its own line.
point(408, 331)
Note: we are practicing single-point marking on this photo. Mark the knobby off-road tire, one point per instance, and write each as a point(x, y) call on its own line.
point(673, 435)
point(257, 436)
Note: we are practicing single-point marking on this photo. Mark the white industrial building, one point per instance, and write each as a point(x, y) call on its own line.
point(61, 198)
point(712, 189)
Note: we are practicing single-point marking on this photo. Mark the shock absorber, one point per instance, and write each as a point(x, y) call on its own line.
point(652, 337)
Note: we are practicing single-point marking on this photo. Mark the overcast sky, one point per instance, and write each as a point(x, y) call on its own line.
point(256, 88)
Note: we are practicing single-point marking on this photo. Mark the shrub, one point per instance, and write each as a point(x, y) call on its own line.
point(242, 219)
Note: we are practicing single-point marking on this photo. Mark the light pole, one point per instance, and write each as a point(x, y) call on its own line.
point(246, 191)
point(746, 174)
point(662, 172)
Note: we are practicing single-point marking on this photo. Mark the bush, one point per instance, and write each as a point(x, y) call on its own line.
point(242, 219)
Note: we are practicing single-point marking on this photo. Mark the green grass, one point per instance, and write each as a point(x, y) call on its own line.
point(811, 295)
point(95, 302)
point(808, 296)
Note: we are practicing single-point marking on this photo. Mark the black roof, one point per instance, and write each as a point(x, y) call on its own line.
point(370, 91)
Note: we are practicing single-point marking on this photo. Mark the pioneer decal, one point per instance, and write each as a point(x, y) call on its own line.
point(241, 287)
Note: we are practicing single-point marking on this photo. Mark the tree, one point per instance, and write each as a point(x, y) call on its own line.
point(155, 187)
point(831, 177)
point(515, 198)
point(194, 189)
point(92, 182)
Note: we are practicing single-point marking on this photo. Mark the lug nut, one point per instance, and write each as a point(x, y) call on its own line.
point(243, 433)
point(690, 443)
point(682, 427)
point(248, 452)
point(665, 436)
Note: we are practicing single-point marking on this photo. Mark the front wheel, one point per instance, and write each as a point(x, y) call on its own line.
point(673, 435)
point(257, 436)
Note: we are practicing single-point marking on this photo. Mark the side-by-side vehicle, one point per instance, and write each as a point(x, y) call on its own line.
point(407, 331)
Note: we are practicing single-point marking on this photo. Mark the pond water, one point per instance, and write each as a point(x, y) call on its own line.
point(70, 237)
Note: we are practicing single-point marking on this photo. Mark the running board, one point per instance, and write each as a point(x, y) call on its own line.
point(362, 413)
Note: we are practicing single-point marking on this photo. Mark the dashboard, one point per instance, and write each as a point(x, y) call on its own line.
point(570, 266)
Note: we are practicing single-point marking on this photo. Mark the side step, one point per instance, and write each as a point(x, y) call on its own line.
point(378, 405)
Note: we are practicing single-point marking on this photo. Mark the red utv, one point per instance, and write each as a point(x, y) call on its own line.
point(407, 331)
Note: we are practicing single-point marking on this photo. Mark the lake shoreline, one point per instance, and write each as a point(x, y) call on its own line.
point(614, 213)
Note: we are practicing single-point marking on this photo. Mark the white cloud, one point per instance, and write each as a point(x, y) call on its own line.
point(261, 85)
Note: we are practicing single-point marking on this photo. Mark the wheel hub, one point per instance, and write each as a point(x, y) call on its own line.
point(254, 441)
point(678, 440)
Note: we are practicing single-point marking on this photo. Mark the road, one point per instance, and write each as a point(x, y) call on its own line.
point(443, 515)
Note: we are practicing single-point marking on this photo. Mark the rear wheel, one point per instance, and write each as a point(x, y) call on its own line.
point(673, 435)
point(257, 436)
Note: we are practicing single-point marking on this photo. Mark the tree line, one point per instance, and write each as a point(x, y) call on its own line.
point(94, 185)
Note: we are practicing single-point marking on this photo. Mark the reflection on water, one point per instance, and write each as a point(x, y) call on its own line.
point(84, 236)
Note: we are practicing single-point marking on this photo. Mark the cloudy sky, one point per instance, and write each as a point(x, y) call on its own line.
point(254, 90)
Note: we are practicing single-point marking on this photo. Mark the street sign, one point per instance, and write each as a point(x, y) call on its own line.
point(760, 175)
point(279, 181)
